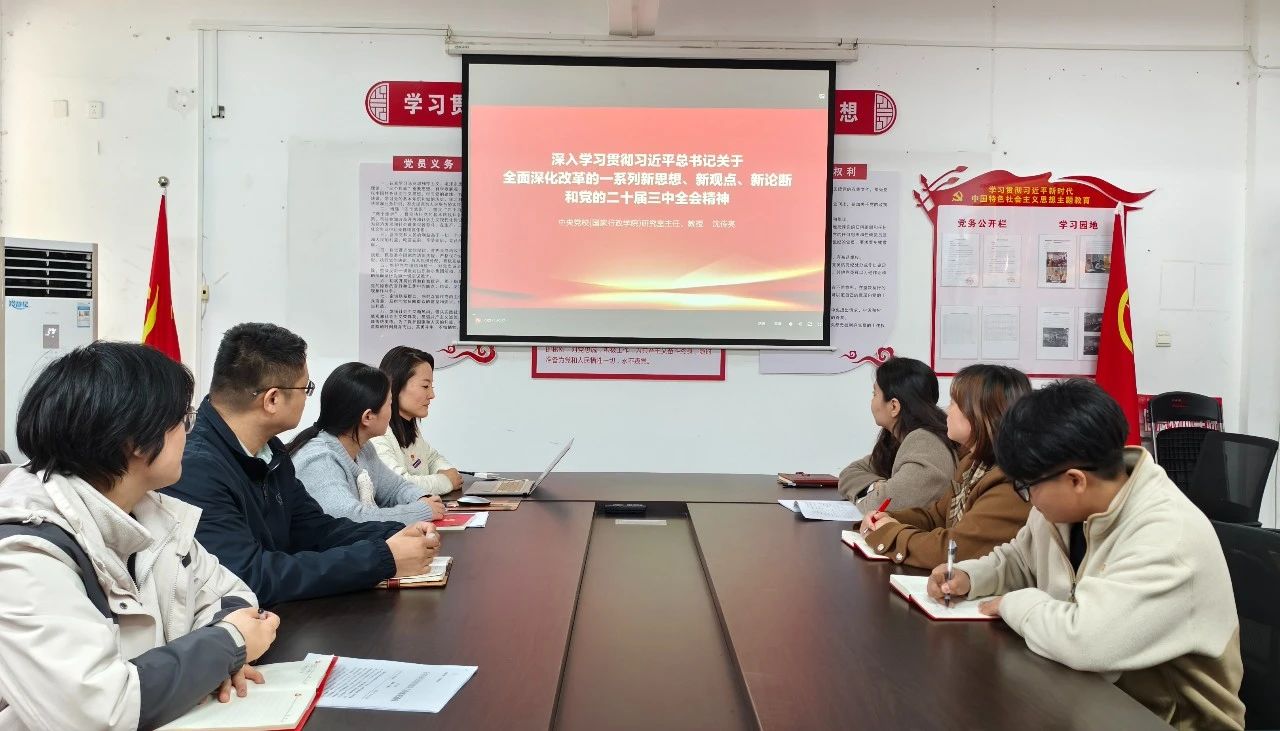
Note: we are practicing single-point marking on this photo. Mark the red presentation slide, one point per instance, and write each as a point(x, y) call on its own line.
point(647, 209)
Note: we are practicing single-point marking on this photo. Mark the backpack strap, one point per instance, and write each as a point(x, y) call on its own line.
point(67, 544)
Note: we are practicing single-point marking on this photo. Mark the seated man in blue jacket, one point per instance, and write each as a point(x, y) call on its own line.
point(258, 518)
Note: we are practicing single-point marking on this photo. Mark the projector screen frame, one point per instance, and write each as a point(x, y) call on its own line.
point(466, 336)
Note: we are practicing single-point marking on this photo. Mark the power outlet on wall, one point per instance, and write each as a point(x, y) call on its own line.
point(95, 110)
point(1164, 339)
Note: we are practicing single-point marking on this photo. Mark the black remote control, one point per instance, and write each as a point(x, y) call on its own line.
point(624, 508)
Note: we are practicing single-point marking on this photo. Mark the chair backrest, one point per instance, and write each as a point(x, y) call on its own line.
point(1184, 408)
point(1253, 557)
point(1177, 451)
point(1231, 476)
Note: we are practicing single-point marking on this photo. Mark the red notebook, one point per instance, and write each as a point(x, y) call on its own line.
point(804, 479)
point(452, 521)
point(853, 539)
point(913, 588)
point(284, 703)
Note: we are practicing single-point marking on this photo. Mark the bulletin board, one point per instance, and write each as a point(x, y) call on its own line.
point(1020, 270)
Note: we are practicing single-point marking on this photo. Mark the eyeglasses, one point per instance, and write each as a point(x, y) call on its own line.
point(189, 420)
point(1023, 488)
point(307, 390)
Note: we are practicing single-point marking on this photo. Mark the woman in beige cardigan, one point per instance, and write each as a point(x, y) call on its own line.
point(913, 459)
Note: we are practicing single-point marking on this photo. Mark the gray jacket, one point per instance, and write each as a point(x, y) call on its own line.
point(327, 471)
point(63, 664)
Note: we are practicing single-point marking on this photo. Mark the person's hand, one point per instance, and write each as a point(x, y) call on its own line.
point(239, 683)
point(258, 630)
point(874, 521)
point(991, 607)
point(436, 505)
point(454, 478)
point(939, 587)
point(413, 548)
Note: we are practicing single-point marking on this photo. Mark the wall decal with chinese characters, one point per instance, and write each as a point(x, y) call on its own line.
point(864, 272)
point(415, 103)
point(411, 260)
point(864, 112)
point(1020, 269)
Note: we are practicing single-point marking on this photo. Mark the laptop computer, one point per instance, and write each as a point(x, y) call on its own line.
point(515, 487)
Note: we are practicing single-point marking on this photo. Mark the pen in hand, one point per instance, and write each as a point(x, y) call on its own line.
point(883, 507)
point(951, 561)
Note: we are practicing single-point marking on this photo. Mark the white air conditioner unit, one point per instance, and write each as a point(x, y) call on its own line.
point(50, 307)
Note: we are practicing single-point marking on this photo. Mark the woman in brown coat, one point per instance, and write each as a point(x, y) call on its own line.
point(981, 511)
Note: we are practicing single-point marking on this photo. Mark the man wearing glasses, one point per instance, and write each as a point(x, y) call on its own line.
point(257, 518)
point(1116, 571)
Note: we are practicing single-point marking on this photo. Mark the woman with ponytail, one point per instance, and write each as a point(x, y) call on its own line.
point(337, 463)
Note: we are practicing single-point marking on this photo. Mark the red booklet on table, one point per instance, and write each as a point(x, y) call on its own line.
point(283, 703)
point(804, 479)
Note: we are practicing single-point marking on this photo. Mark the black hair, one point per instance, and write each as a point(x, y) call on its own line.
point(398, 364)
point(984, 392)
point(1070, 423)
point(5, 458)
point(915, 385)
point(90, 409)
point(254, 356)
point(348, 392)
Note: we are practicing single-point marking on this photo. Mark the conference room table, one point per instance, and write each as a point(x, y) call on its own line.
point(716, 609)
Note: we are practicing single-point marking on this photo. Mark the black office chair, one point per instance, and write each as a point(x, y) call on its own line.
point(1177, 450)
point(1231, 475)
point(1184, 406)
point(4, 457)
point(1253, 557)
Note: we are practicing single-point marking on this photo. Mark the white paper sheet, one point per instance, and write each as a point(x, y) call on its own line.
point(383, 685)
point(1002, 261)
point(959, 332)
point(841, 510)
point(1054, 337)
point(1001, 332)
point(958, 265)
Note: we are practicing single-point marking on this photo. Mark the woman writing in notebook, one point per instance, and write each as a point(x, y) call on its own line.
point(981, 511)
point(336, 461)
point(402, 448)
point(913, 460)
point(112, 615)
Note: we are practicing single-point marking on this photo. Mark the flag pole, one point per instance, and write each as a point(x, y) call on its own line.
point(163, 181)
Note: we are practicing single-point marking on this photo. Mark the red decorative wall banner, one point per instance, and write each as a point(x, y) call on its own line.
point(635, 364)
point(425, 164)
point(864, 112)
point(415, 103)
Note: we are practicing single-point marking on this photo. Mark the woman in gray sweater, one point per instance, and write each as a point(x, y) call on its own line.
point(913, 461)
point(337, 463)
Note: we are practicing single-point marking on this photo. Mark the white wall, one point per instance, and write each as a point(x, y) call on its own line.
point(1174, 120)
point(1260, 354)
